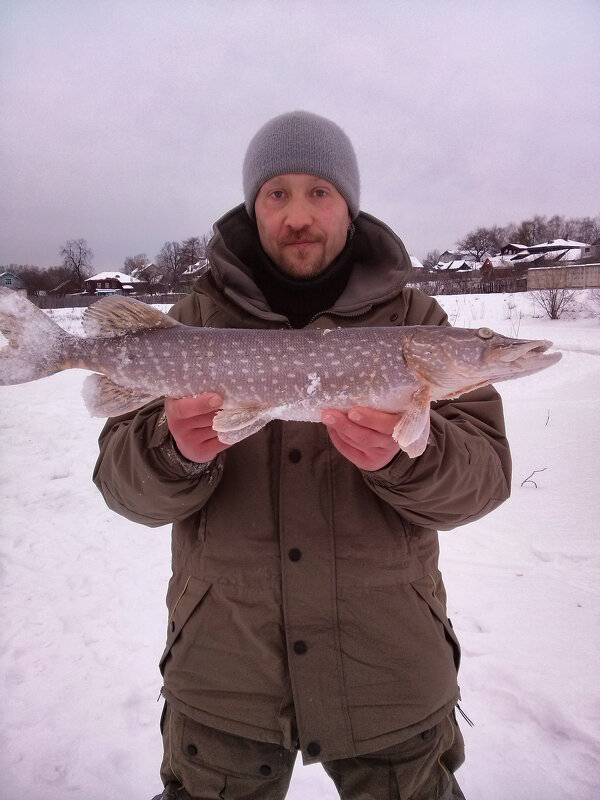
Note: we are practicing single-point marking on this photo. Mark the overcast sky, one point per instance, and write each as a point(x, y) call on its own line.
point(125, 123)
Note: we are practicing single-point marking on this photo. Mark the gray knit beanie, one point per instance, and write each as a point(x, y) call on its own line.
point(301, 142)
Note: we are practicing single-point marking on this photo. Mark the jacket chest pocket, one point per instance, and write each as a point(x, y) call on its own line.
point(188, 601)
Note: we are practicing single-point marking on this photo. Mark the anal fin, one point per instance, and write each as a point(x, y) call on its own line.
point(105, 398)
point(412, 430)
point(234, 424)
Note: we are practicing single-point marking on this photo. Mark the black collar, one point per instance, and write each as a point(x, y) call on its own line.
point(300, 300)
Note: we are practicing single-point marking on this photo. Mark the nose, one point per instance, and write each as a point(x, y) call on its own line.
point(298, 213)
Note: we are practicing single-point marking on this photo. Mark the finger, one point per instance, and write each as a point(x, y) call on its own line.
point(194, 423)
point(380, 421)
point(371, 459)
point(184, 407)
point(349, 451)
point(355, 434)
point(211, 449)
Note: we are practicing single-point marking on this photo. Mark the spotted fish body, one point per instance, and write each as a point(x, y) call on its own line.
point(138, 354)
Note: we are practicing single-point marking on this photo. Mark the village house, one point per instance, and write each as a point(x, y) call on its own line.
point(12, 281)
point(555, 250)
point(191, 274)
point(110, 283)
point(150, 278)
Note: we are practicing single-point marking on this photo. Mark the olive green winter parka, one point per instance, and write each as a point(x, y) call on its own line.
point(306, 605)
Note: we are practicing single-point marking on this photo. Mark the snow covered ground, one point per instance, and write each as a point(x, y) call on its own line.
point(83, 615)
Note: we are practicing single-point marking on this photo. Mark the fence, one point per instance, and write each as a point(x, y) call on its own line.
point(84, 300)
point(466, 285)
point(579, 276)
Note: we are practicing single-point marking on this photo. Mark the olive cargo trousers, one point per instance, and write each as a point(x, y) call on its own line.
point(201, 763)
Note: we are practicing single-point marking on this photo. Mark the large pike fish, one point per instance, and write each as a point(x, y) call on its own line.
point(139, 354)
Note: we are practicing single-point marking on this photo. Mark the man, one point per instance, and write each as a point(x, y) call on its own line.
point(306, 608)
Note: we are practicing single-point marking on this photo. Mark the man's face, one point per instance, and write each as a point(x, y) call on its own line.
point(302, 223)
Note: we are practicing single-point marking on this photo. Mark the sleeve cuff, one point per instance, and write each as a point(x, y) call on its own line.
point(163, 443)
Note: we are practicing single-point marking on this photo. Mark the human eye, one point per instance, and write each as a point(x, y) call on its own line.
point(320, 192)
point(277, 194)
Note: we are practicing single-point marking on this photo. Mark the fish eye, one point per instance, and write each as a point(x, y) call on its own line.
point(485, 333)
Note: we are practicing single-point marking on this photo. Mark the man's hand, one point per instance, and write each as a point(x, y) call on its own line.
point(190, 422)
point(363, 436)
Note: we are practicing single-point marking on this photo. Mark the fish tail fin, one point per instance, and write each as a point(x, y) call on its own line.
point(32, 346)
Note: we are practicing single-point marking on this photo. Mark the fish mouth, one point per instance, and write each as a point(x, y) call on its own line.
point(528, 356)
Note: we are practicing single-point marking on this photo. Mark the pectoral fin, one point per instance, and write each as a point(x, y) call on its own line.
point(412, 431)
point(117, 316)
point(105, 398)
point(233, 425)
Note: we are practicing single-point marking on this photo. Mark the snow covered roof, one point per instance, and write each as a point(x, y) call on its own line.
point(514, 246)
point(198, 268)
point(557, 244)
point(119, 276)
point(459, 265)
point(416, 264)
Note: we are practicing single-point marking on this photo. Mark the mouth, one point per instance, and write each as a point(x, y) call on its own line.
point(530, 356)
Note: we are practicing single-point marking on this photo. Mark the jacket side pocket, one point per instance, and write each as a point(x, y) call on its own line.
point(190, 598)
point(426, 589)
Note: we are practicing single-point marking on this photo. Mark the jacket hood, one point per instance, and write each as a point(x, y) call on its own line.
point(381, 265)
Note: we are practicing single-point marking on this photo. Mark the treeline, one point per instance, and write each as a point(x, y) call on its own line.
point(532, 231)
point(174, 258)
point(39, 279)
point(165, 271)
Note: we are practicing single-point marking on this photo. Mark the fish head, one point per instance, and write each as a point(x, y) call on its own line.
point(456, 360)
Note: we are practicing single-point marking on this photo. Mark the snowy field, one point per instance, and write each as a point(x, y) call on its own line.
point(83, 615)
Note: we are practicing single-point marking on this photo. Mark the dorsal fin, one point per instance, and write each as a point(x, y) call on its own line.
point(116, 316)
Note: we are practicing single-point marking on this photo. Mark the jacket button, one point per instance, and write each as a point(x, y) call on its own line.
point(172, 626)
point(393, 317)
point(313, 748)
point(265, 770)
point(300, 647)
point(428, 735)
point(294, 456)
point(192, 750)
point(295, 554)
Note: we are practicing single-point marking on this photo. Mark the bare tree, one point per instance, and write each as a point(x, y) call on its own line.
point(170, 262)
point(584, 229)
point(532, 231)
point(554, 296)
point(133, 263)
point(431, 259)
point(77, 258)
point(194, 249)
point(152, 276)
point(482, 241)
point(32, 276)
point(557, 227)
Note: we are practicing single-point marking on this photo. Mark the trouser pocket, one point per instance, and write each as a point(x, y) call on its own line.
point(418, 769)
point(210, 764)
point(425, 768)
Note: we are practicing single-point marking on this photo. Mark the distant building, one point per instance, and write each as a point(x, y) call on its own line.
point(150, 278)
point(110, 283)
point(192, 273)
point(12, 281)
point(457, 266)
point(512, 249)
point(555, 250)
